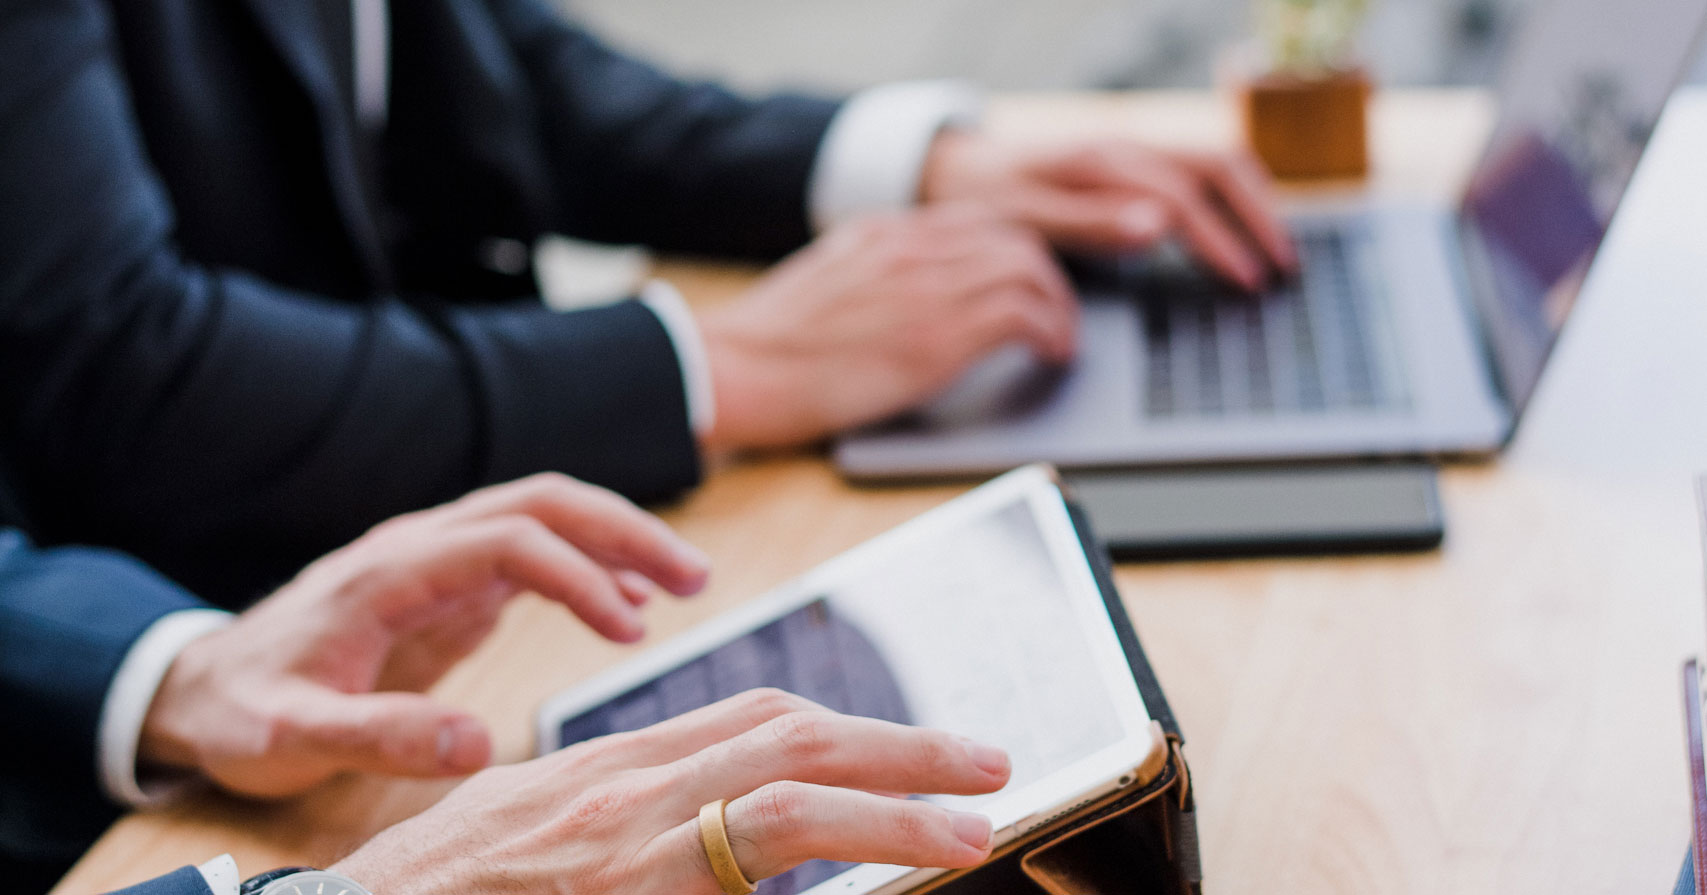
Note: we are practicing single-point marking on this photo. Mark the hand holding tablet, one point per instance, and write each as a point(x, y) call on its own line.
point(621, 813)
point(688, 771)
point(987, 617)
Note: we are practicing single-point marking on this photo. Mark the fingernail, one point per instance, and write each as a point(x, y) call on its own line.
point(989, 759)
point(1142, 221)
point(695, 559)
point(972, 829)
point(693, 556)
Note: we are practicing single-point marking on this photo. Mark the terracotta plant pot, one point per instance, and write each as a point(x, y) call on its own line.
point(1308, 127)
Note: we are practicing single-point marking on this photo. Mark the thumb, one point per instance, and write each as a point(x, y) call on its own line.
point(403, 734)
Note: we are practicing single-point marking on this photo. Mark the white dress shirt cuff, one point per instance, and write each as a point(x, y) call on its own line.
point(221, 877)
point(874, 152)
point(132, 692)
point(664, 301)
point(370, 31)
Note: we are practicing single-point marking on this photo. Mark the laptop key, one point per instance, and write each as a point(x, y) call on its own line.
point(1210, 394)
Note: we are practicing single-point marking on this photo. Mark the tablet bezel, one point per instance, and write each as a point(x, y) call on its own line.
point(1013, 813)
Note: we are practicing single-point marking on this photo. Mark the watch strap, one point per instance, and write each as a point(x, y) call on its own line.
point(254, 884)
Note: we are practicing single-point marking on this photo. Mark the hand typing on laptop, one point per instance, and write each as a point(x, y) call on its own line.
point(877, 315)
point(888, 311)
point(1115, 194)
point(1415, 326)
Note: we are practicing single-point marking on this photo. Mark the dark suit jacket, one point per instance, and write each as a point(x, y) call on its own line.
point(67, 618)
point(233, 334)
point(183, 881)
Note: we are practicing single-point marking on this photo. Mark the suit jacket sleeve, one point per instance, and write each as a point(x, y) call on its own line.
point(226, 429)
point(680, 166)
point(67, 618)
point(183, 881)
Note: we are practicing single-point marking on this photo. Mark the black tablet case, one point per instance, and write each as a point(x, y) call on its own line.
point(1142, 840)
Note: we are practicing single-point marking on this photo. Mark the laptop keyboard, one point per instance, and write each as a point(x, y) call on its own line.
point(1320, 344)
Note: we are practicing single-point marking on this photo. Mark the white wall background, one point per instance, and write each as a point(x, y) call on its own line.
point(845, 44)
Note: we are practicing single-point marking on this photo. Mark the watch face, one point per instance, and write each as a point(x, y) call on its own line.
point(314, 882)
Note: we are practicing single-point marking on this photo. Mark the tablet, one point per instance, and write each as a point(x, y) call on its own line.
point(982, 617)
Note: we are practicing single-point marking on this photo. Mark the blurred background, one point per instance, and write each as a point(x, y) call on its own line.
point(837, 46)
point(840, 45)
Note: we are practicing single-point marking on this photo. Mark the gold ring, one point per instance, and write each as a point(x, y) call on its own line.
point(714, 835)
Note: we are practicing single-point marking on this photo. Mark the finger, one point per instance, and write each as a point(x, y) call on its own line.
point(522, 551)
point(784, 824)
point(838, 750)
point(690, 732)
point(1012, 266)
point(1015, 264)
point(1041, 270)
point(1246, 189)
point(1216, 244)
point(536, 559)
point(458, 568)
point(419, 659)
point(1193, 210)
point(1015, 315)
point(402, 734)
point(599, 522)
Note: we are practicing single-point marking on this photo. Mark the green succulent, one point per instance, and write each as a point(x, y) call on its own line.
point(1308, 37)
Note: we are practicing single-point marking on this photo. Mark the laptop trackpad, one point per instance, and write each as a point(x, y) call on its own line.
point(1010, 389)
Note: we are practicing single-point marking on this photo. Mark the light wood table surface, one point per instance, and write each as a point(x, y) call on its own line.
point(1501, 716)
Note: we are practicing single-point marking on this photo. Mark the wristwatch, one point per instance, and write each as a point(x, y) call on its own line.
point(300, 881)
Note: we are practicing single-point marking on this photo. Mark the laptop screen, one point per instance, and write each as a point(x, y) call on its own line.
point(1583, 88)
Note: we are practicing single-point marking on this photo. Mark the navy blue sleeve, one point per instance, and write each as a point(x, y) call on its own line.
point(226, 429)
point(67, 618)
point(183, 881)
point(677, 165)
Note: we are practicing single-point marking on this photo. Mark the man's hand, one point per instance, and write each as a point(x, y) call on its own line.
point(324, 675)
point(877, 316)
point(618, 814)
point(1116, 194)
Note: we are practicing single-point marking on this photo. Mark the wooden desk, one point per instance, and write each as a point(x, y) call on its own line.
point(1498, 717)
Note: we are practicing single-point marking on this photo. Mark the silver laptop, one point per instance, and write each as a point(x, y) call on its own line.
point(1413, 329)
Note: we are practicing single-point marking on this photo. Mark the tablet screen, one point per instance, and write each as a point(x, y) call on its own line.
point(980, 627)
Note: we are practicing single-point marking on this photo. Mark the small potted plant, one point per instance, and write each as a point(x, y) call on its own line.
point(1304, 102)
